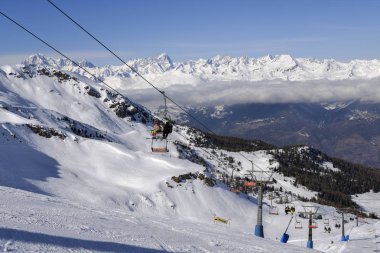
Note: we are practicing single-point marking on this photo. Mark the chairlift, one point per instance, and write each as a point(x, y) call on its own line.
point(160, 149)
point(235, 190)
point(249, 184)
point(298, 224)
point(160, 132)
point(273, 210)
point(159, 144)
point(314, 224)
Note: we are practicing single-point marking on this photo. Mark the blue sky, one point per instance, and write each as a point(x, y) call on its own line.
point(340, 29)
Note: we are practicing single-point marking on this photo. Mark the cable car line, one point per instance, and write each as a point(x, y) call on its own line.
point(68, 58)
point(131, 68)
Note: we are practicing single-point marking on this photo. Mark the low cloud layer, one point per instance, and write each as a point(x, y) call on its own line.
point(214, 93)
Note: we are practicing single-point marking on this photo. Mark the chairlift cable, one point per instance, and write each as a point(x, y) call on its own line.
point(131, 68)
point(66, 57)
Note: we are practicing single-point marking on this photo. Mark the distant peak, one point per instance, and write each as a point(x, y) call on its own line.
point(86, 63)
point(284, 56)
point(267, 57)
point(165, 61)
point(40, 59)
point(36, 59)
point(163, 56)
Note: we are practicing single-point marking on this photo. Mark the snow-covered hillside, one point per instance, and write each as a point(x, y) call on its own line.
point(78, 174)
point(163, 71)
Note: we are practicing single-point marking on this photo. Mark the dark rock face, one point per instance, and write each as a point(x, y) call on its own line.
point(92, 92)
point(122, 109)
point(46, 132)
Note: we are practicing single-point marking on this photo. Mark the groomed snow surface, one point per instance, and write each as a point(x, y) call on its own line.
point(113, 194)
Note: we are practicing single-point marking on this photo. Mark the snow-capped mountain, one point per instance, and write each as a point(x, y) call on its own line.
point(226, 68)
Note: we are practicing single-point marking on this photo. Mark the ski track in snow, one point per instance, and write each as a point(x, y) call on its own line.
point(38, 223)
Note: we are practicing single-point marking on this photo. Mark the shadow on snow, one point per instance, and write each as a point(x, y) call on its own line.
point(66, 242)
point(21, 163)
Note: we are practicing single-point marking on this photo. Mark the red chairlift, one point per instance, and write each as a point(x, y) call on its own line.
point(313, 225)
point(249, 184)
point(235, 190)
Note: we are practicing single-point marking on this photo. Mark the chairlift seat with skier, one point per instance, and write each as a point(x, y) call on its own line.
point(161, 131)
point(159, 144)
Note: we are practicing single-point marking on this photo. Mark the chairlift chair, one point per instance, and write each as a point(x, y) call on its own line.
point(314, 224)
point(298, 224)
point(273, 210)
point(162, 134)
point(235, 190)
point(158, 141)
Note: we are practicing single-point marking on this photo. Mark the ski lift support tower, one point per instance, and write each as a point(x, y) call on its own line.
point(341, 211)
point(259, 229)
point(310, 211)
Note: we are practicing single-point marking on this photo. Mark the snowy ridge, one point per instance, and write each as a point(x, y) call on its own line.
point(226, 68)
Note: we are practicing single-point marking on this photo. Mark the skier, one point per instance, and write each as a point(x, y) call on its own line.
point(168, 129)
point(292, 210)
point(287, 210)
point(156, 129)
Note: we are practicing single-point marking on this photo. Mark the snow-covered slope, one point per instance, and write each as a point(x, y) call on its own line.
point(163, 71)
point(38, 223)
point(78, 174)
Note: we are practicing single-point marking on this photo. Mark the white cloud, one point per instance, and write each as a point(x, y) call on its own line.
point(214, 93)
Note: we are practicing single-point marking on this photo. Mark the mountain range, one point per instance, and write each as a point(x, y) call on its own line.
point(342, 125)
point(226, 68)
